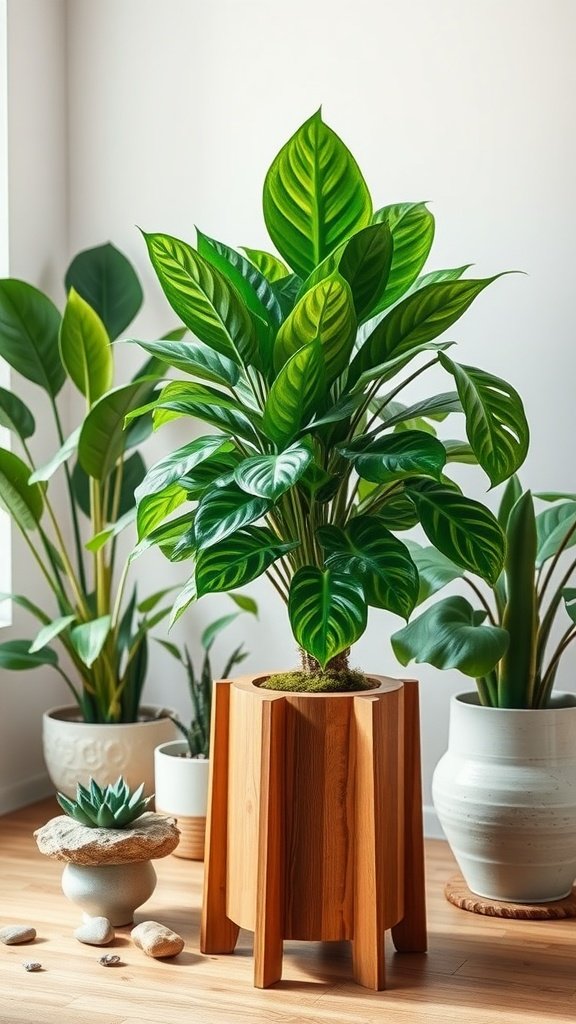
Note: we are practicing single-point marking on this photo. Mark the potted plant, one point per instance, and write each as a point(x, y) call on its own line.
point(302, 361)
point(101, 625)
point(108, 840)
point(504, 791)
point(181, 766)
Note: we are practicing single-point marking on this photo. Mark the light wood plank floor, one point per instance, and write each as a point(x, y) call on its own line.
point(479, 970)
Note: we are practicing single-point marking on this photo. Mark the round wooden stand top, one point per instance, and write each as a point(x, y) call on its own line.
point(458, 893)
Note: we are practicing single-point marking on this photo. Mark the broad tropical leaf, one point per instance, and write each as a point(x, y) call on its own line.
point(268, 264)
point(29, 325)
point(85, 348)
point(15, 655)
point(195, 358)
point(314, 196)
point(50, 631)
point(15, 415)
point(22, 500)
point(173, 467)
point(188, 398)
point(412, 228)
point(327, 611)
point(184, 599)
point(451, 634)
point(294, 394)
point(89, 638)
point(553, 526)
point(324, 314)
point(435, 571)
point(397, 456)
point(107, 281)
point(225, 510)
point(153, 508)
point(238, 559)
point(437, 407)
point(250, 283)
point(46, 471)
point(102, 437)
point(269, 476)
point(436, 276)
point(365, 263)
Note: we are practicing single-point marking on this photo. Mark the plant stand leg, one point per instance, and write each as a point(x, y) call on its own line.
point(218, 933)
point(269, 924)
point(379, 831)
point(409, 935)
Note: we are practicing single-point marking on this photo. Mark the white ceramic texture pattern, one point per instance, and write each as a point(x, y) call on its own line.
point(113, 891)
point(75, 751)
point(505, 794)
point(181, 783)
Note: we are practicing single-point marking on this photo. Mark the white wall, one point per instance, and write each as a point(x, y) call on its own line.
point(176, 110)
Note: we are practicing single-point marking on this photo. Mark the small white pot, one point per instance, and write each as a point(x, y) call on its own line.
point(114, 891)
point(505, 795)
point(181, 785)
point(75, 751)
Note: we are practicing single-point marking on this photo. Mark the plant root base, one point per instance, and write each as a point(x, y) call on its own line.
point(457, 892)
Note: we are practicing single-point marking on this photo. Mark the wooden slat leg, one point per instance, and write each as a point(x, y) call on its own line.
point(378, 878)
point(409, 935)
point(218, 933)
point(269, 925)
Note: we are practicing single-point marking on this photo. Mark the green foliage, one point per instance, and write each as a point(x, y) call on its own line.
point(114, 806)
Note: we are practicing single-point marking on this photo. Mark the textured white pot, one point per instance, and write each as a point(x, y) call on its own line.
point(505, 795)
point(181, 786)
point(114, 891)
point(74, 750)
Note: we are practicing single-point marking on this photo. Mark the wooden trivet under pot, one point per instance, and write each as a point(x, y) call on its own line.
point(458, 893)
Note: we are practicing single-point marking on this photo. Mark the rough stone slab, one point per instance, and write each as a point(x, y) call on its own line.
point(156, 939)
point(97, 931)
point(152, 836)
point(15, 934)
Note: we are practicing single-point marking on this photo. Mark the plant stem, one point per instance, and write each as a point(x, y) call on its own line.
point(276, 585)
point(73, 508)
point(481, 598)
point(546, 684)
point(569, 534)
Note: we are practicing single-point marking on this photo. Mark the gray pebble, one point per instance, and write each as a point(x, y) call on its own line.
point(14, 934)
point(96, 931)
point(109, 960)
point(31, 965)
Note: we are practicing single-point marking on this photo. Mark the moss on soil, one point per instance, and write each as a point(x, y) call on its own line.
point(329, 681)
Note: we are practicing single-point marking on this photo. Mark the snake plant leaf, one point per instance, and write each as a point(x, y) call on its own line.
point(50, 632)
point(569, 596)
point(397, 456)
point(88, 639)
point(517, 671)
point(15, 655)
point(107, 281)
point(269, 265)
point(184, 599)
point(452, 634)
point(188, 398)
point(238, 559)
point(510, 495)
point(375, 557)
point(435, 571)
point(250, 283)
point(47, 471)
point(269, 476)
point(314, 196)
point(294, 394)
point(29, 326)
point(553, 526)
point(154, 508)
point(324, 314)
point(102, 437)
point(496, 424)
point(85, 348)
point(462, 529)
point(412, 228)
point(170, 469)
point(195, 358)
point(203, 298)
point(223, 511)
point(22, 500)
point(327, 611)
point(15, 415)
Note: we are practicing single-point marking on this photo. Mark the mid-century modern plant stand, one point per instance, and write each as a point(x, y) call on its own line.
point(314, 826)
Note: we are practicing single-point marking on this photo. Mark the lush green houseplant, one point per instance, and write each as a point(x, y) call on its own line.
point(103, 632)
point(505, 643)
point(300, 363)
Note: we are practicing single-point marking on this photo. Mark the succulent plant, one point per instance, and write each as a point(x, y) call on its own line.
point(113, 806)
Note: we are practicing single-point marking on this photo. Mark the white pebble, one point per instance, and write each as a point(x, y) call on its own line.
point(14, 934)
point(96, 931)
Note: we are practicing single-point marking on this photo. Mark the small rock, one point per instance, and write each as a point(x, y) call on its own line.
point(151, 836)
point(109, 960)
point(156, 940)
point(31, 965)
point(96, 931)
point(14, 934)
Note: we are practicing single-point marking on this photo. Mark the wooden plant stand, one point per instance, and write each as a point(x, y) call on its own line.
point(314, 827)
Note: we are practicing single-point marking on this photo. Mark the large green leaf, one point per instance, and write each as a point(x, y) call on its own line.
point(184, 599)
point(66, 450)
point(211, 472)
point(22, 500)
point(223, 511)
point(107, 281)
point(397, 512)
point(29, 325)
point(173, 467)
point(365, 263)
point(195, 358)
point(85, 348)
point(552, 527)
point(324, 314)
point(462, 529)
point(155, 507)
point(102, 437)
point(238, 559)
point(435, 571)
point(436, 276)
point(496, 424)
point(15, 655)
point(203, 298)
point(269, 476)
point(451, 634)
point(189, 398)
point(50, 631)
point(15, 415)
point(314, 196)
point(437, 407)
point(268, 264)
point(327, 610)
point(397, 456)
point(412, 228)
point(89, 638)
point(382, 563)
point(294, 394)
point(252, 285)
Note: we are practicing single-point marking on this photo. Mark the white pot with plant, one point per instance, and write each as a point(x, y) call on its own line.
point(182, 766)
point(505, 791)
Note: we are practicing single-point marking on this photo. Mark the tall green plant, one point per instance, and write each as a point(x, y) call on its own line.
point(299, 361)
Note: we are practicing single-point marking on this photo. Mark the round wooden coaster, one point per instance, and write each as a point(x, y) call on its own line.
point(458, 893)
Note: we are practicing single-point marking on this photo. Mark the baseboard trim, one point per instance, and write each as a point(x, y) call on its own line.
point(26, 792)
point(432, 827)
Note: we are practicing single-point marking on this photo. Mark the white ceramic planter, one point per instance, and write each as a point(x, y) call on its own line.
point(505, 795)
point(74, 750)
point(114, 891)
point(181, 786)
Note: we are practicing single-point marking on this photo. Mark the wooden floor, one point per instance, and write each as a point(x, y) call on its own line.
point(478, 971)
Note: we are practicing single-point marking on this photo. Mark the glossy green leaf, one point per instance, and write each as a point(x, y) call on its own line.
point(85, 348)
point(435, 571)
point(451, 634)
point(188, 398)
point(89, 638)
point(252, 286)
point(459, 451)
point(173, 467)
point(269, 476)
point(366, 263)
point(397, 512)
point(165, 536)
point(185, 598)
point(195, 358)
point(462, 529)
point(217, 467)
point(397, 456)
point(102, 437)
point(15, 655)
point(29, 326)
point(436, 276)
point(314, 196)
point(496, 424)
point(203, 298)
point(268, 264)
point(15, 415)
point(153, 508)
point(438, 407)
point(412, 228)
point(247, 604)
point(294, 394)
point(238, 559)
point(107, 281)
point(225, 510)
point(47, 471)
point(327, 610)
point(50, 632)
point(22, 500)
point(324, 314)
point(377, 559)
point(553, 526)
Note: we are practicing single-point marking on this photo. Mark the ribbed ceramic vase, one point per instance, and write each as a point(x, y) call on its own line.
point(505, 795)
